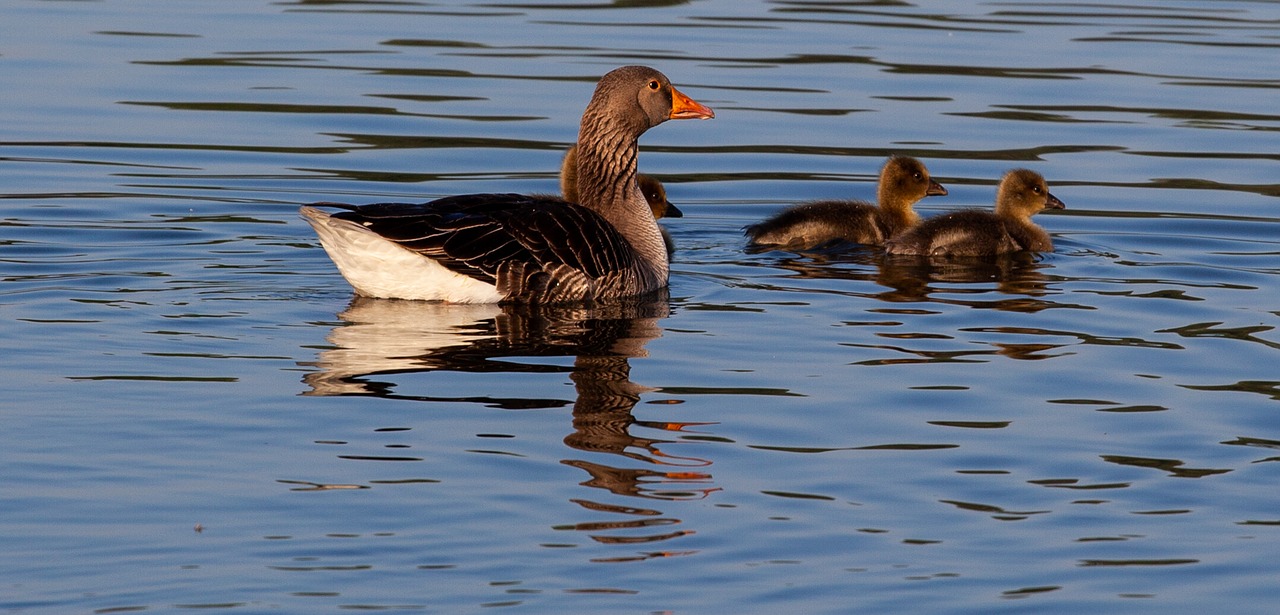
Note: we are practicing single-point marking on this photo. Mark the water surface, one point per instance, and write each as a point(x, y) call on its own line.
point(201, 416)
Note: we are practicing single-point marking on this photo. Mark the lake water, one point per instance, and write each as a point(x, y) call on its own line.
point(198, 416)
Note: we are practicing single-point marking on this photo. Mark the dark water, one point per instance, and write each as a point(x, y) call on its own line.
point(198, 416)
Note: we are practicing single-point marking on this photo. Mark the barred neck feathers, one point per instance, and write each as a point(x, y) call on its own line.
point(606, 180)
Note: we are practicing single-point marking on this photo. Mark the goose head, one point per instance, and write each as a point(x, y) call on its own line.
point(1023, 193)
point(905, 180)
point(638, 98)
point(656, 194)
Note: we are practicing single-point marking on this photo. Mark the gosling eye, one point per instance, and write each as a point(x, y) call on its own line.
point(1036, 189)
point(917, 175)
point(654, 85)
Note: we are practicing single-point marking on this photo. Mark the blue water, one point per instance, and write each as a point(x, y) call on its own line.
point(198, 415)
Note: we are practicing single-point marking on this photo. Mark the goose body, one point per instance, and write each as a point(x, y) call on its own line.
point(1021, 194)
point(903, 182)
point(486, 248)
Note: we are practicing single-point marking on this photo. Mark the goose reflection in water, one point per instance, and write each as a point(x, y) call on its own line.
point(380, 338)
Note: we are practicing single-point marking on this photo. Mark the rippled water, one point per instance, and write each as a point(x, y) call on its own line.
point(199, 416)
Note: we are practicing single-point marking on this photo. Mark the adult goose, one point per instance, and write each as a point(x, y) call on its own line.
point(1022, 193)
point(511, 248)
point(654, 193)
point(903, 181)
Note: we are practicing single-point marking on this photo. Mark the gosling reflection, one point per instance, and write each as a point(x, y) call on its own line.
point(379, 339)
point(1020, 278)
point(1020, 274)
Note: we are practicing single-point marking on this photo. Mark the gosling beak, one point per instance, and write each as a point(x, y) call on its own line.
point(1054, 203)
point(935, 189)
point(685, 108)
point(672, 211)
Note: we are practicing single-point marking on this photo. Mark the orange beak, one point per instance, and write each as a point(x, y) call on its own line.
point(685, 108)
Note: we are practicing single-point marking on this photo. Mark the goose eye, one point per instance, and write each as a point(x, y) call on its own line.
point(653, 84)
